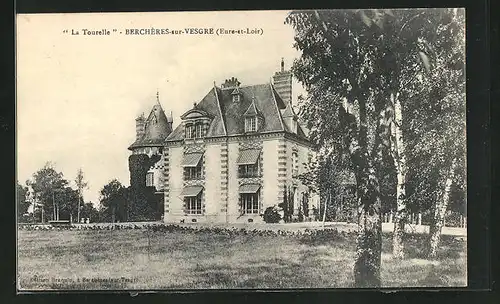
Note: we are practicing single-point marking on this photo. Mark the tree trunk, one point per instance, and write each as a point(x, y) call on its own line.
point(324, 209)
point(369, 236)
point(437, 222)
point(113, 215)
point(78, 213)
point(400, 164)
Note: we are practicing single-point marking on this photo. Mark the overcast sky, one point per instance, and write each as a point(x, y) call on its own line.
point(78, 96)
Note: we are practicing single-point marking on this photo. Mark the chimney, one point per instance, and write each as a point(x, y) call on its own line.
point(282, 81)
point(140, 126)
point(231, 83)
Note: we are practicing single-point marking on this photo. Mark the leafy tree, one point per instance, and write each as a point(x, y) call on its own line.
point(67, 201)
point(45, 183)
point(285, 205)
point(113, 199)
point(80, 184)
point(355, 66)
point(22, 202)
point(338, 72)
point(89, 211)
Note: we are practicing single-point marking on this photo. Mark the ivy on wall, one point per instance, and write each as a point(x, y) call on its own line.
point(143, 202)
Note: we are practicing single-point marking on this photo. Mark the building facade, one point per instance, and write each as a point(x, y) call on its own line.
point(234, 154)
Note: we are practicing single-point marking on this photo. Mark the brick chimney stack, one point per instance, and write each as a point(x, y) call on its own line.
point(282, 81)
point(231, 83)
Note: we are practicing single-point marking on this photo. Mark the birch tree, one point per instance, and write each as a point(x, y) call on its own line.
point(80, 184)
point(356, 66)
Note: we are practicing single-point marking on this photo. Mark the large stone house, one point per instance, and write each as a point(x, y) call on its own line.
point(233, 154)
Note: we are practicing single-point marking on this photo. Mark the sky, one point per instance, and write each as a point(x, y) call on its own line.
point(78, 95)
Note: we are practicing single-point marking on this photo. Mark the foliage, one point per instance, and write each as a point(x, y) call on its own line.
point(305, 204)
point(113, 199)
point(67, 200)
point(80, 184)
point(271, 215)
point(21, 199)
point(143, 201)
point(353, 64)
point(287, 205)
point(46, 183)
point(89, 211)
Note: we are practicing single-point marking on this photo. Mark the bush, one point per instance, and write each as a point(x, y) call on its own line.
point(271, 215)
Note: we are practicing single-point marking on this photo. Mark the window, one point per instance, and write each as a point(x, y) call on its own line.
point(193, 204)
point(251, 124)
point(199, 130)
point(248, 170)
point(192, 173)
point(149, 179)
point(249, 203)
point(295, 163)
point(190, 131)
point(236, 98)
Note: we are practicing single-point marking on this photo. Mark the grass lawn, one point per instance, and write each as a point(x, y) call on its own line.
point(118, 259)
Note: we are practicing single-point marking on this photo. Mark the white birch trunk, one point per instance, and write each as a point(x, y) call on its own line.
point(400, 164)
point(78, 213)
point(440, 212)
point(324, 211)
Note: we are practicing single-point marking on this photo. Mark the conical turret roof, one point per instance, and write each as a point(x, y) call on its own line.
point(156, 130)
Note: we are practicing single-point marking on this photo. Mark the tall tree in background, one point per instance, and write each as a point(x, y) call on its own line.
point(80, 184)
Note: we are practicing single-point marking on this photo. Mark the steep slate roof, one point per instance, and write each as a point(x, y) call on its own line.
point(157, 128)
point(267, 104)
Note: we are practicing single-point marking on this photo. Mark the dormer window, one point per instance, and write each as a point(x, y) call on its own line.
point(236, 95)
point(251, 124)
point(196, 123)
point(194, 130)
point(253, 118)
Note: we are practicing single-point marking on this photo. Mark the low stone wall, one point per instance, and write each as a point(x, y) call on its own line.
point(288, 227)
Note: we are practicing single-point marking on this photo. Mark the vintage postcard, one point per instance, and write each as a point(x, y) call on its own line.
point(241, 150)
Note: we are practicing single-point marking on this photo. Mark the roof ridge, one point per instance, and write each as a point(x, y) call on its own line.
point(276, 104)
point(220, 110)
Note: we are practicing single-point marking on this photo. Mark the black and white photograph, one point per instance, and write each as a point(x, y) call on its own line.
point(246, 150)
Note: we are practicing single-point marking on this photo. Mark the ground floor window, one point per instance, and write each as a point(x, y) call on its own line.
point(249, 203)
point(193, 204)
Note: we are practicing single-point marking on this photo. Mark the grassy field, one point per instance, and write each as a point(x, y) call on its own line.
point(117, 259)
